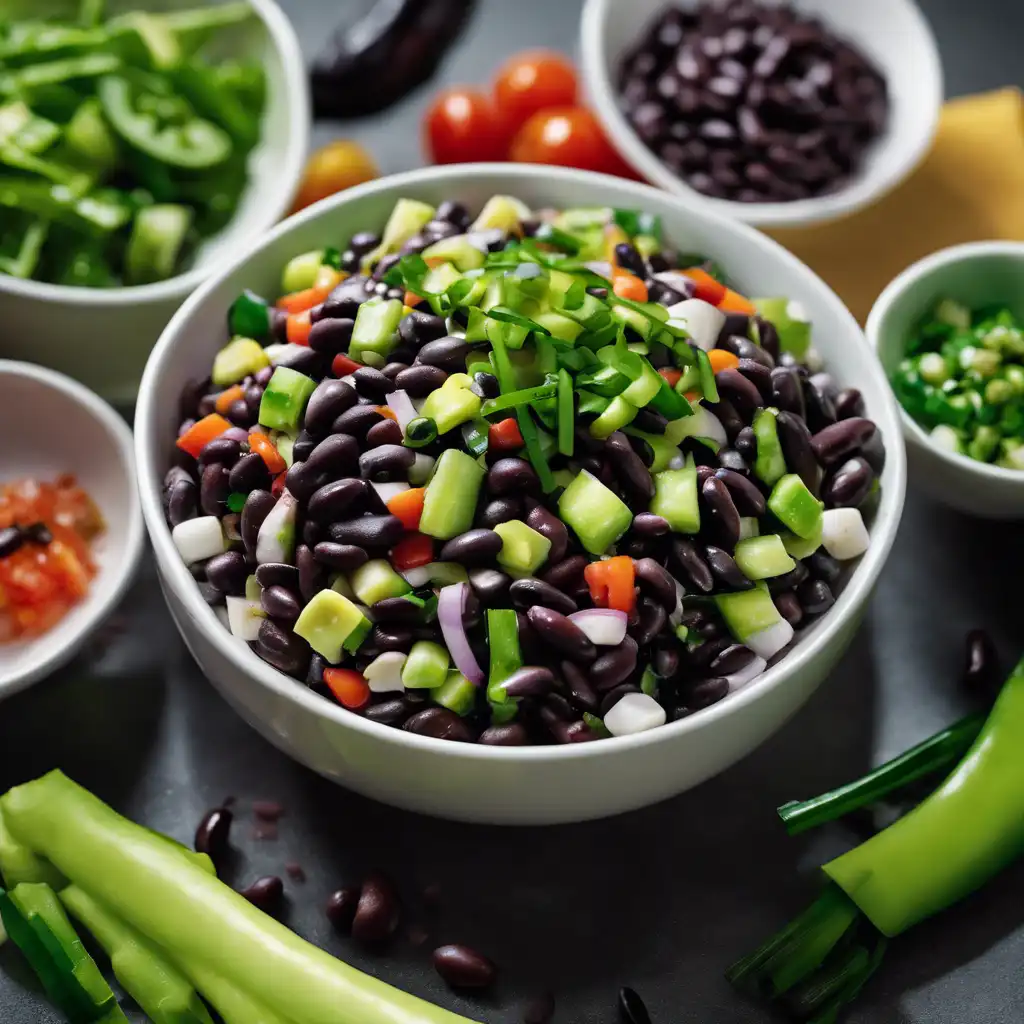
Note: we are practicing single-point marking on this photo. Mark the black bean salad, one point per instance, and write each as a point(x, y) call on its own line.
point(528, 477)
point(752, 102)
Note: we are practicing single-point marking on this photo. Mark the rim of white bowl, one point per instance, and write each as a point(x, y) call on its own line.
point(286, 42)
point(130, 543)
point(150, 434)
point(880, 311)
point(798, 213)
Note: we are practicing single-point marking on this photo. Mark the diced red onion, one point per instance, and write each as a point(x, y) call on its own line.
point(768, 642)
point(605, 627)
point(450, 603)
point(752, 669)
point(401, 405)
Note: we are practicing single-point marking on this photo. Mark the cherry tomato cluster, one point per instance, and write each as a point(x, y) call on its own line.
point(531, 115)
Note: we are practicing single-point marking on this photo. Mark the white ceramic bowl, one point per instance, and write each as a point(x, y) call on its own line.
point(894, 35)
point(495, 784)
point(102, 337)
point(976, 274)
point(55, 426)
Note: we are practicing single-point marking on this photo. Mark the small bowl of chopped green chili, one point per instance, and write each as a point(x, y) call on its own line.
point(138, 148)
point(950, 334)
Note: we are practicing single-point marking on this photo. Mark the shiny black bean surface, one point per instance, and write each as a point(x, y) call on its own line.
point(473, 548)
point(559, 632)
point(525, 593)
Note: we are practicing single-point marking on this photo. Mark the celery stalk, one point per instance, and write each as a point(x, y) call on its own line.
point(234, 1005)
point(195, 918)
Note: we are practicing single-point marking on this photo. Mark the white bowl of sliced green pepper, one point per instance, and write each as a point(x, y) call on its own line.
point(949, 332)
point(140, 145)
point(465, 780)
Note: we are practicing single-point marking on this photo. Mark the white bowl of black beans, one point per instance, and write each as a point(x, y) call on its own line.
point(548, 776)
point(778, 114)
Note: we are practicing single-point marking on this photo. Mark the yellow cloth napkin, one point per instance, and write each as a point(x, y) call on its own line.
point(970, 187)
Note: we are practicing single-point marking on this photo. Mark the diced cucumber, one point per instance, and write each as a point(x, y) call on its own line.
point(583, 218)
point(440, 278)
point(795, 507)
point(300, 271)
point(748, 612)
point(375, 332)
point(376, 580)
point(504, 212)
point(633, 318)
point(158, 235)
point(407, 218)
point(560, 326)
point(239, 358)
point(450, 502)
point(769, 464)
point(790, 322)
point(761, 558)
point(457, 250)
point(327, 622)
point(285, 398)
point(443, 574)
point(456, 693)
point(615, 417)
point(675, 498)
point(801, 547)
point(426, 668)
point(450, 406)
point(594, 512)
point(645, 387)
point(523, 549)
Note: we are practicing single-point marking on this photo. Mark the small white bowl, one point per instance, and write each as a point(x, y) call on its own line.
point(892, 33)
point(470, 782)
point(54, 426)
point(976, 274)
point(102, 336)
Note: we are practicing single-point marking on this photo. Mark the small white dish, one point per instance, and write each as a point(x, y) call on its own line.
point(102, 336)
point(976, 274)
point(54, 426)
point(892, 33)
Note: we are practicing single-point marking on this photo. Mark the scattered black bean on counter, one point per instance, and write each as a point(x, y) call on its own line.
point(463, 967)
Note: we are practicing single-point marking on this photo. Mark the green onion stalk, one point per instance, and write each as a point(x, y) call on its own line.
point(819, 962)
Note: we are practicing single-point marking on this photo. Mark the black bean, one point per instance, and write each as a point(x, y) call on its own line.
point(38, 533)
point(849, 485)
point(631, 1008)
point(182, 496)
point(265, 893)
point(823, 566)
point(449, 354)
point(729, 416)
point(485, 385)
point(212, 833)
point(418, 328)
point(341, 908)
point(724, 515)
point(647, 524)
point(249, 473)
point(312, 575)
point(357, 421)
point(548, 525)
point(346, 298)
point(12, 538)
point(463, 967)
point(214, 490)
point(304, 360)
point(788, 605)
point(472, 548)
point(529, 681)
point(392, 638)
point(393, 711)
point(228, 573)
point(386, 463)
point(561, 633)
point(691, 565)
point(371, 383)
point(734, 387)
point(873, 452)
point(652, 618)
point(725, 569)
point(656, 581)
point(385, 432)
point(628, 466)
point(821, 410)
point(281, 604)
point(981, 663)
point(490, 586)
point(748, 499)
point(815, 597)
point(501, 510)
point(225, 450)
point(838, 440)
point(849, 403)
point(392, 370)
point(419, 380)
point(338, 500)
point(333, 458)
point(303, 446)
point(567, 575)
point(376, 531)
point(665, 660)
point(440, 723)
point(282, 648)
point(377, 912)
point(798, 450)
point(732, 659)
point(396, 611)
point(613, 696)
point(759, 375)
point(454, 212)
point(341, 557)
point(745, 442)
point(331, 336)
point(525, 593)
point(257, 507)
point(277, 574)
point(707, 692)
point(650, 421)
point(510, 734)
point(613, 667)
point(512, 476)
point(790, 580)
point(580, 692)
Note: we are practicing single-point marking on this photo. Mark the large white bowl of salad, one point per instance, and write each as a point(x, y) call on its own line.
point(517, 494)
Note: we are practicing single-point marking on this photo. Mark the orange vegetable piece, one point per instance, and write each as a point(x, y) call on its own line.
point(612, 583)
point(708, 288)
point(722, 359)
point(227, 398)
point(387, 412)
point(411, 299)
point(298, 327)
point(671, 374)
point(201, 433)
point(349, 687)
point(504, 436)
point(733, 302)
point(629, 286)
point(267, 451)
point(412, 551)
point(278, 485)
point(342, 366)
point(408, 507)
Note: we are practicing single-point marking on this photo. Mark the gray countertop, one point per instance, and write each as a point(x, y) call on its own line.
point(662, 899)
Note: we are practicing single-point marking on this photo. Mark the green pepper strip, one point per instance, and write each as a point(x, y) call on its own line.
point(534, 451)
point(57, 71)
point(708, 386)
point(503, 643)
point(566, 415)
point(24, 264)
point(515, 399)
point(474, 436)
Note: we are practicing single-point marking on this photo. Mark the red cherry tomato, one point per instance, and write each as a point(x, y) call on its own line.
point(463, 125)
point(568, 137)
point(532, 81)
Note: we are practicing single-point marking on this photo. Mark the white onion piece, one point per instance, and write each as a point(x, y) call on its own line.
point(680, 282)
point(843, 533)
point(421, 468)
point(450, 603)
point(605, 627)
point(199, 539)
point(703, 423)
point(635, 712)
point(702, 321)
point(753, 668)
point(384, 673)
point(768, 642)
point(401, 405)
point(599, 267)
point(388, 490)
point(244, 618)
point(276, 540)
point(416, 578)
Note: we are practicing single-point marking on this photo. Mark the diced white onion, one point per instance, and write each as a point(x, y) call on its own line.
point(702, 321)
point(843, 533)
point(753, 668)
point(418, 577)
point(384, 673)
point(605, 627)
point(244, 618)
point(401, 405)
point(199, 539)
point(388, 490)
point(768, 642)
point(704, 423)
point(635, 712)
point(272, 540)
